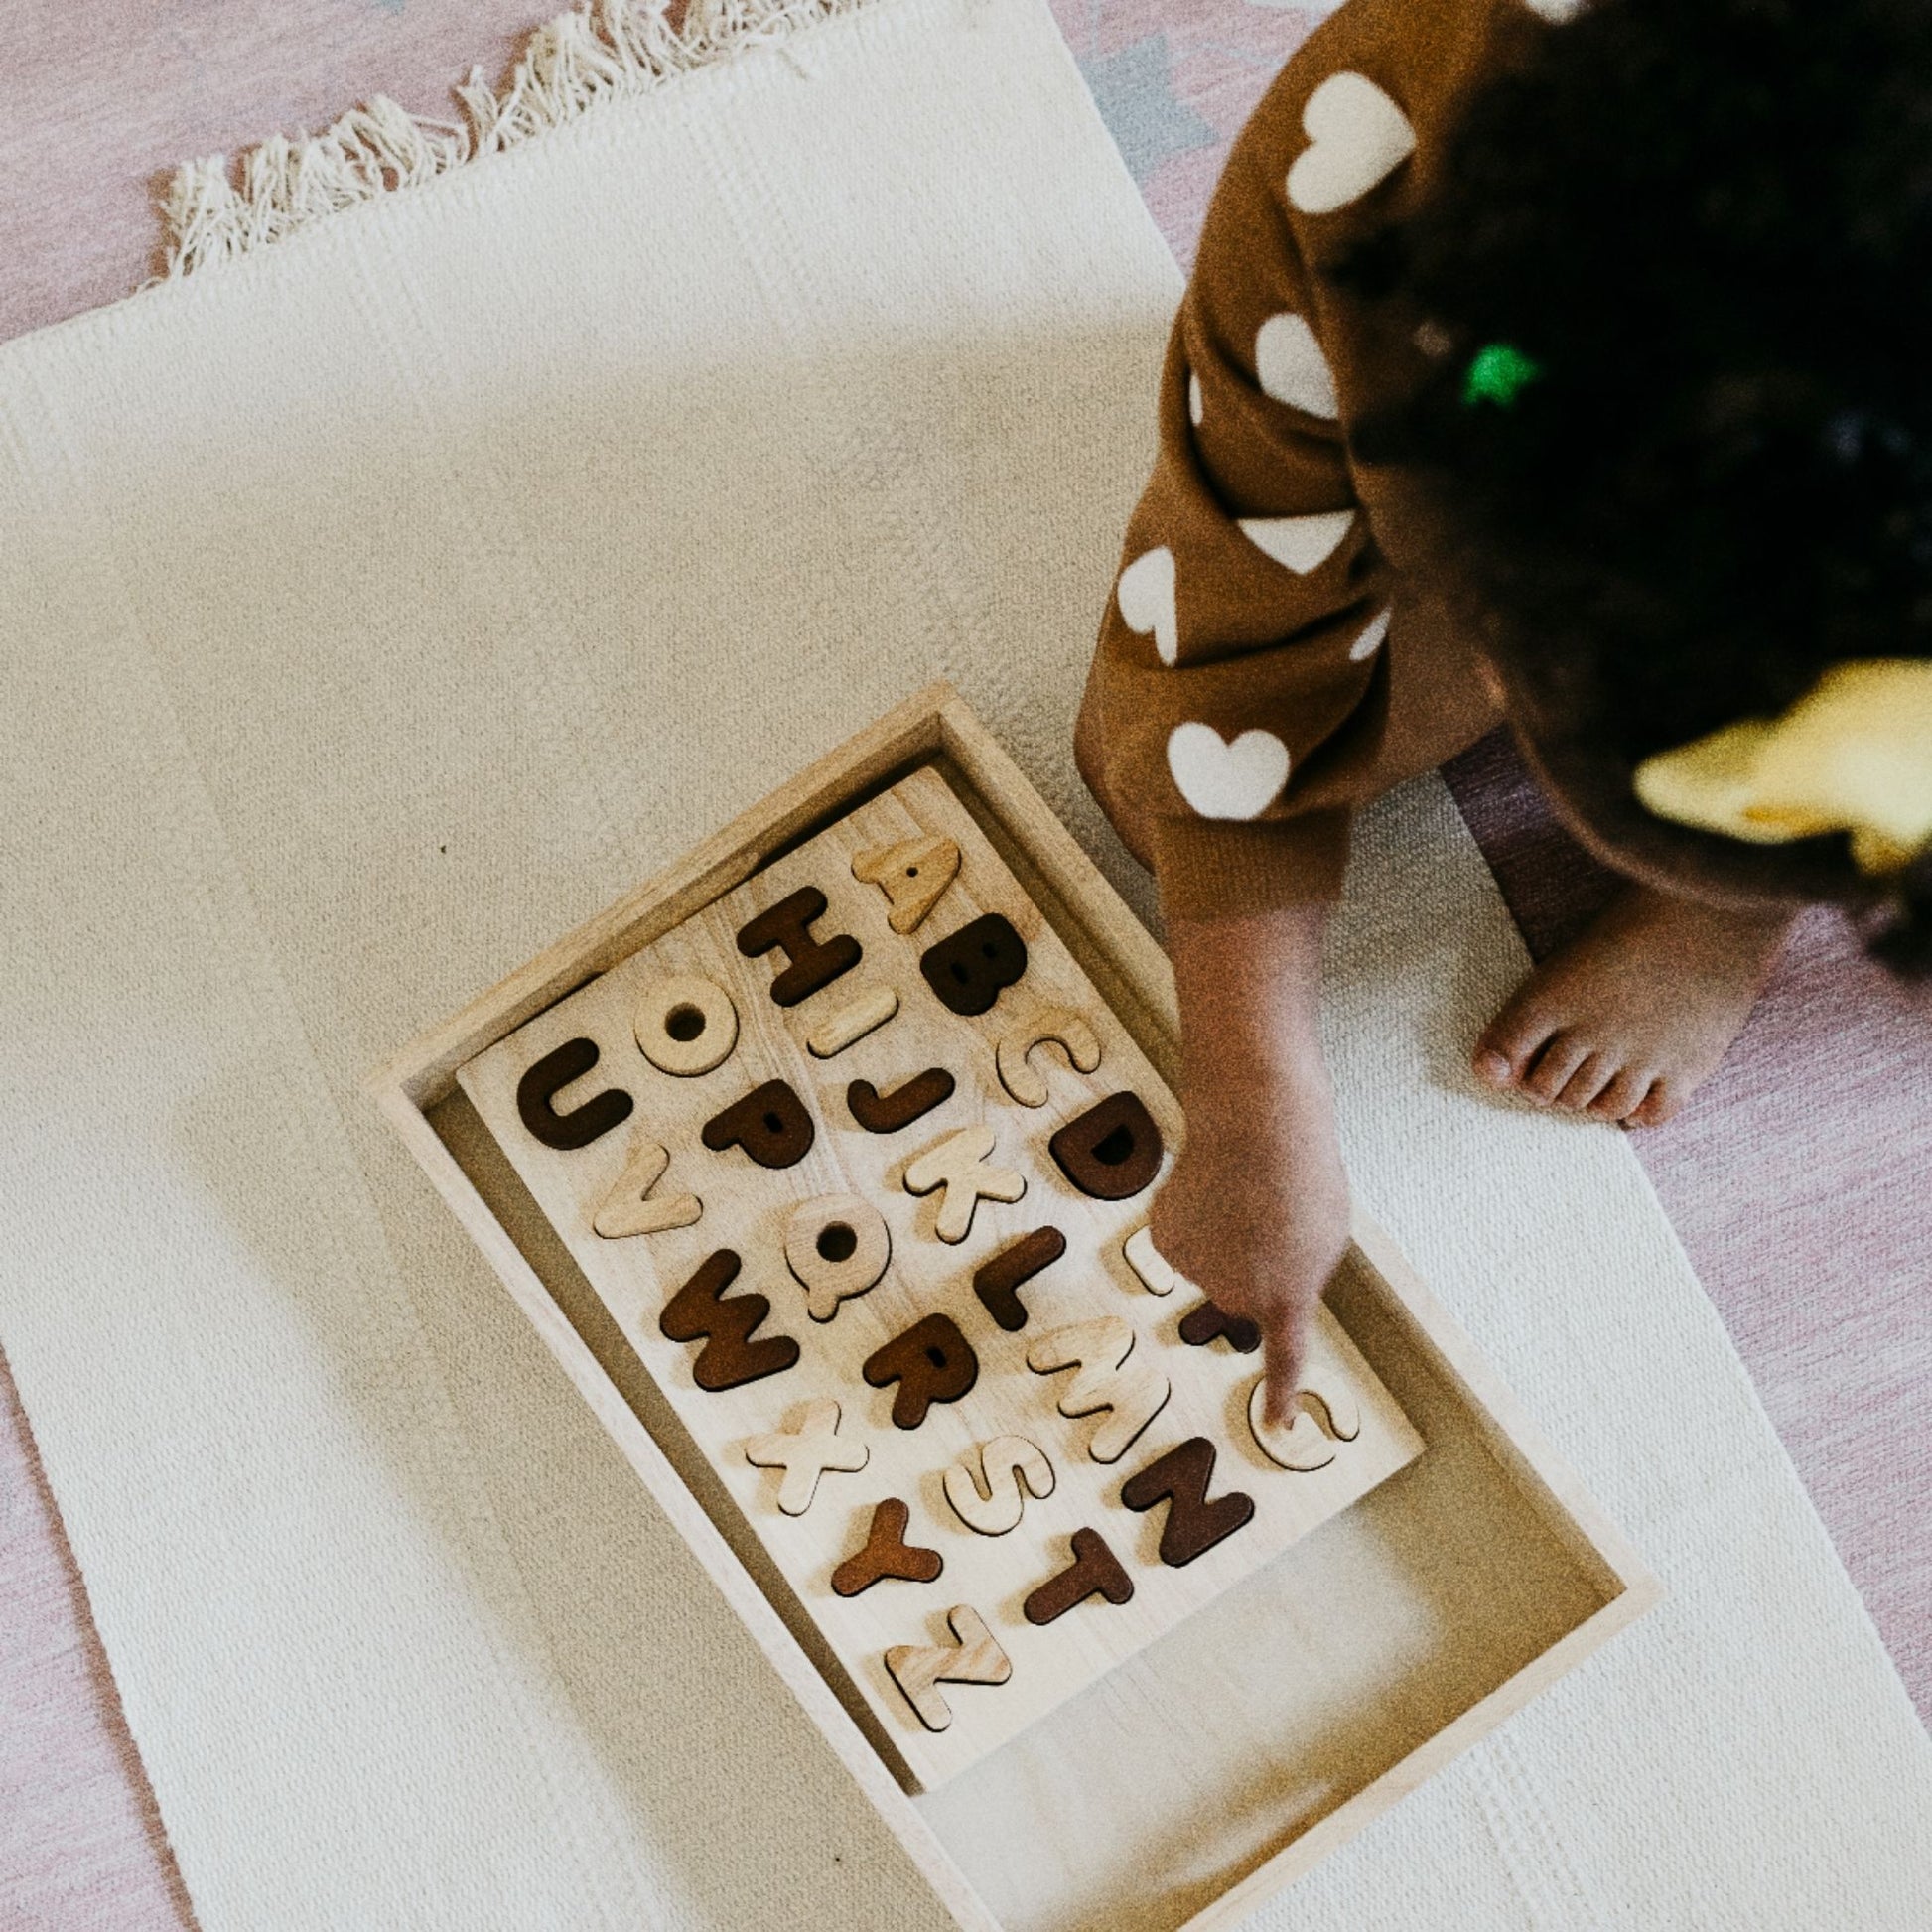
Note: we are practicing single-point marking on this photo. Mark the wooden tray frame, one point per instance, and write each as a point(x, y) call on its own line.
point(417, 1094)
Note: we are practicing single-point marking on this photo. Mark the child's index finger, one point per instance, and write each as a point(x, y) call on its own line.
point(1282, 1351)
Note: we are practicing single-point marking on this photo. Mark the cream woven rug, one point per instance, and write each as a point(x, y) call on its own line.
point(376, 606)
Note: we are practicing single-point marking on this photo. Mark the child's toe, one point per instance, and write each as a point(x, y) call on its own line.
point(1579, 1091)
point(1621, 1096)
point(1563, 1055)
point(1656, 1106)
point(1509, 1044)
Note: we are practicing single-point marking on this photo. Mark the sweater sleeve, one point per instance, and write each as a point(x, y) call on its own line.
point(1238, 696)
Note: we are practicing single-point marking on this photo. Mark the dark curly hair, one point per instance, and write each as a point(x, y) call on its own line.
point(1709, 223)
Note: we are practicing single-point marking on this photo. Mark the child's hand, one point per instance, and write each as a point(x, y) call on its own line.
point(1256, 1211)
point(1259, 1225)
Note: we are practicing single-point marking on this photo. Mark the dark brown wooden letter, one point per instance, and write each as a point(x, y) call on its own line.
point(886, 1553)
point(771, 1124)
point(932, 1362)
point(1209, 1322)
point(1110, 1151)
point(1095, 1570)
point(701, 1311)
point(910, 1100)
point(547, 1079)
point(969, 969)
point(998, 1279)
point(1180, 1479)
point(809, 963)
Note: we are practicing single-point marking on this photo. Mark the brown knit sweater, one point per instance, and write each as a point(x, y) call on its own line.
point(1267, 662)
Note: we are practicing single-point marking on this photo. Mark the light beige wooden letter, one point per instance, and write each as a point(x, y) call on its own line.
point(1301, 1443)
point(837, 1246)
point(685, 1023)
point(1135, 1390)
point(852, 1021)
point(626, 1209)
point(974, 1658)
point(1152, 1268)
point(958, 1164)
point(914, 874)
point(988, 1486)
point(805, 1452)
point(1060, 1024)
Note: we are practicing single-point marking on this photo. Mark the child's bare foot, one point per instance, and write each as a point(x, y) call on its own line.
point(1625, 1020)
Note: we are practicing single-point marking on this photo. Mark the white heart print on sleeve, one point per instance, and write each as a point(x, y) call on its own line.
point(1289, 366)
point(1298, 543)
point(1227, 781)
point(1357, 136)
point(1146, 597)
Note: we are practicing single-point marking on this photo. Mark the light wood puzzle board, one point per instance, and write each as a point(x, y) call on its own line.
point(745, 1209)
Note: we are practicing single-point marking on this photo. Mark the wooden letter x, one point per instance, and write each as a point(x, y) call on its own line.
point(805, 1452)
point(958, 1164)
point(974, 1658)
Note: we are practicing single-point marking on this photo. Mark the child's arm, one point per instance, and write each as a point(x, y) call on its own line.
point(1256, 1209)
point(1234, 715)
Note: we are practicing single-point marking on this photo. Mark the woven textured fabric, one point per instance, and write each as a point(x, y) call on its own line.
point(381, 605)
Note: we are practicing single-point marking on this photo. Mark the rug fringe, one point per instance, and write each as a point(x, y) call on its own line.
point(607, 48)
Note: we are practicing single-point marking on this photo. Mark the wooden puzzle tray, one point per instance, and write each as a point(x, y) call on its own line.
point(823, 1165)
point(738, 1132)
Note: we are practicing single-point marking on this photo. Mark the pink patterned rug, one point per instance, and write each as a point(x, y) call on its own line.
point(1795, 1180)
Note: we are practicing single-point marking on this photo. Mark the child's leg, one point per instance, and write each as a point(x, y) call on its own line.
point(1629, 1017)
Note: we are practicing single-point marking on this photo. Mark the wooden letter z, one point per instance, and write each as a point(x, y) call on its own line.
point(974, 1658)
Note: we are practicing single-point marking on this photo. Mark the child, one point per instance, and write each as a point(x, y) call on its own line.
point(1573, 372)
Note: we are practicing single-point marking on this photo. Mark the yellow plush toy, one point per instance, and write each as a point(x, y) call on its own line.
point(1853, 754)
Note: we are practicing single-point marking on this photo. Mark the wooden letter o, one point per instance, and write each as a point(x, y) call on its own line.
point(685, 1025)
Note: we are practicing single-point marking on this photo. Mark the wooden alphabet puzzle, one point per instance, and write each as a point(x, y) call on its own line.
point(861, 1163)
